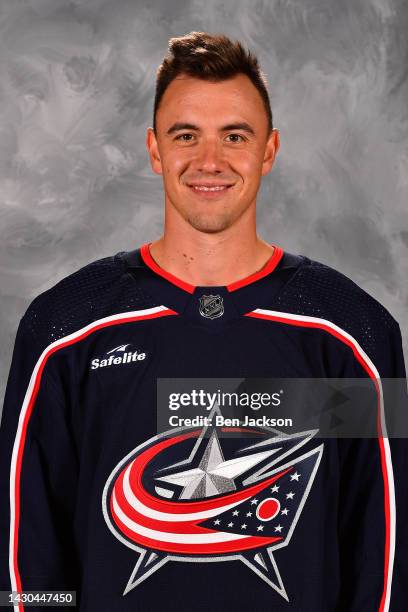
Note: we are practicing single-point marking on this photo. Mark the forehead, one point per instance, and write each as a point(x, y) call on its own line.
point(191, 98)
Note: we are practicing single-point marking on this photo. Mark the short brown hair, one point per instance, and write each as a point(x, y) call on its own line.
point(211, 57)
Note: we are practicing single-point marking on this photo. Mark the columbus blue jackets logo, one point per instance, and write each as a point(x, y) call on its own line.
point(193, 495)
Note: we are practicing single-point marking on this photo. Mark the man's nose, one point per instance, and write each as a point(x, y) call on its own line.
point(210, 157)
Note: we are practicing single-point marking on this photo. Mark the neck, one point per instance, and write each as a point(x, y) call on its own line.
point(217, 259)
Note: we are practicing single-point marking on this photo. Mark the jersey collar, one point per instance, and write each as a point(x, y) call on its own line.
point(248, 280)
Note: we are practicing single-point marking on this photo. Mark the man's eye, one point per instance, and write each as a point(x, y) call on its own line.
point(235, 137)
point(184, 137)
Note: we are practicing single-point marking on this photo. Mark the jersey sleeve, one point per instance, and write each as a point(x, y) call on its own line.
point(38, 474)
point(373, 503)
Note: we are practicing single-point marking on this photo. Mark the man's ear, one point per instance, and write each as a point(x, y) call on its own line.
point(271, 149)
point(153, 150)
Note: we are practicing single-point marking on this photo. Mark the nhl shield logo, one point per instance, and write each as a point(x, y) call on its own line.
point(211, 306)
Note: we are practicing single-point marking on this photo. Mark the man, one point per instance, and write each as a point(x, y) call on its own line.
point(197, 517)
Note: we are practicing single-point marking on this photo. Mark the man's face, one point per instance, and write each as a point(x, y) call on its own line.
point(212, 146)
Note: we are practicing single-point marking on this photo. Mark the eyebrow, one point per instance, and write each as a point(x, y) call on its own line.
point(243, 126)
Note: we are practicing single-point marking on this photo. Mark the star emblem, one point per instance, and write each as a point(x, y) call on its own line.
point(213, 475)
point(204, 473)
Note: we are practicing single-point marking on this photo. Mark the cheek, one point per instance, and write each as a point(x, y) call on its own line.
point(248, 166)
point(175, 165)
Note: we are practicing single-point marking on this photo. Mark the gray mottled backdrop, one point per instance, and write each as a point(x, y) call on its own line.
point(76, 93)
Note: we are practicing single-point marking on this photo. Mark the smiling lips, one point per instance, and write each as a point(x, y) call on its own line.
point(209, 189)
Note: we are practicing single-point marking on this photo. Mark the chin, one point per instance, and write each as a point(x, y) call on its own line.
point(210, 225)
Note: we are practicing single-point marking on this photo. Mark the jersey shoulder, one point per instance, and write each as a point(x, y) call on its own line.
point(318, 290)
point(98, 289)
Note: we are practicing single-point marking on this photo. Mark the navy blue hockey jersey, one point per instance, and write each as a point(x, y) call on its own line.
point(95, 499)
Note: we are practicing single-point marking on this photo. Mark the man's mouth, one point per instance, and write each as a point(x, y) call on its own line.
point(209, 188)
